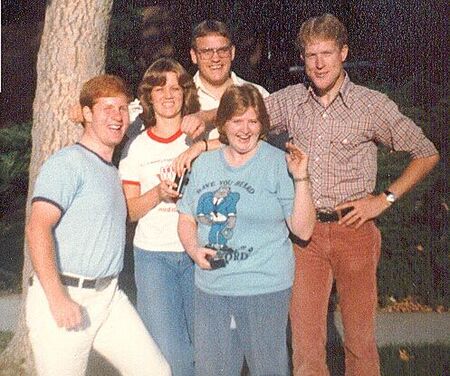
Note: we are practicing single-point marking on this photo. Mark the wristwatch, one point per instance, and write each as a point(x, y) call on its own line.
point(390, 196)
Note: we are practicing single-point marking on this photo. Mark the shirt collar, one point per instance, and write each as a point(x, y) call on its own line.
point(197, 80)
point(236, 80)
point(199, 84)
point(304, 95)
point(344, 91)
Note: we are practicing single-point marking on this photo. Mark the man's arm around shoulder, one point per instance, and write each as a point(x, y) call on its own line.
point(194, 125)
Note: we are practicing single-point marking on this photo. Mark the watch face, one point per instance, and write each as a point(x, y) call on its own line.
point(390, 197)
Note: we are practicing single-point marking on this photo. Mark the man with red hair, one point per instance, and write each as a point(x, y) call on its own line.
point(76, 240)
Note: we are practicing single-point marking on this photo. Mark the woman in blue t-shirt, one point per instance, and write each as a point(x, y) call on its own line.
point(235, 217)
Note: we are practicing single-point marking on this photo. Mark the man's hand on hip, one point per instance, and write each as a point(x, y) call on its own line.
point(364, 210)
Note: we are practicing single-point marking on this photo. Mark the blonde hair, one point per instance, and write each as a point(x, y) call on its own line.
point(325, 27)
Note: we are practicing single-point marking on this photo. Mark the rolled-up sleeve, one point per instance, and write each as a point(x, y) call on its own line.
point(399, 132)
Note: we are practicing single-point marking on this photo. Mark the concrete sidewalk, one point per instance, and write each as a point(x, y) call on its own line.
point(9, 311)
point(403, 328)
point(392, 328)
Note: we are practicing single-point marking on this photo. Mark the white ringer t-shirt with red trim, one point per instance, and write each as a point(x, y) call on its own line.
point(148, 159)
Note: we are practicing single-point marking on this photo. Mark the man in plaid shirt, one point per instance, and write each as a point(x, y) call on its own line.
point(339, 125)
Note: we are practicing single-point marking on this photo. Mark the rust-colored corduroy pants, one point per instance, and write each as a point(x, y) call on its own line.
point(350, 256)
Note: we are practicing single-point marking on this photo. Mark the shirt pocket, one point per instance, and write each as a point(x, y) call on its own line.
point(346, 146)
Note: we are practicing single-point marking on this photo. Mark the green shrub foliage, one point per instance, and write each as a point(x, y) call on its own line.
point(15, 146)
point(15, 143)
point(414, 260)
point(125, 42)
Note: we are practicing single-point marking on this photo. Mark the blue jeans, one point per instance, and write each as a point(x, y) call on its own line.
point(260, 334)
point(165, 282)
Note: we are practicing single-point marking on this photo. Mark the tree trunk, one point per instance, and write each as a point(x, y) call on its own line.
point(72, 50)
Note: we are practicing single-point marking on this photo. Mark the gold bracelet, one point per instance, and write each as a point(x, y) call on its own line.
point(206, 144)
point(304, 178)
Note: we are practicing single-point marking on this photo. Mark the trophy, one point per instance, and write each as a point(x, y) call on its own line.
point(218, 260)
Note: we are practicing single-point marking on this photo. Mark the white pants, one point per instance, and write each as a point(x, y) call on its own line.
point(112, 327)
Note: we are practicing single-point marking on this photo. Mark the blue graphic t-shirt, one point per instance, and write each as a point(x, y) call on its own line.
point(242, 212)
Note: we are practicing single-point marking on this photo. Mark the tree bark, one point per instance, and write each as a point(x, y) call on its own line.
point(72, 50)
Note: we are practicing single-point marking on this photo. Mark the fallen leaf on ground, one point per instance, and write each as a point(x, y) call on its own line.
point(403, 355)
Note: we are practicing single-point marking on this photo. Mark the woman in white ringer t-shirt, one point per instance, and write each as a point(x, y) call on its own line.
point(163, 270)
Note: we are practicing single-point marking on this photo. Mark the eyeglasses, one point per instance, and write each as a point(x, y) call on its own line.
point(208, 53)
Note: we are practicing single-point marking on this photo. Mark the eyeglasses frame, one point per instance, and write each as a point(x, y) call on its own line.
point(222, 52)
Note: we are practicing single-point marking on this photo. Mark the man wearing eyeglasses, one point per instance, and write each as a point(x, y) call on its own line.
point(339, 125)
point(212, 51)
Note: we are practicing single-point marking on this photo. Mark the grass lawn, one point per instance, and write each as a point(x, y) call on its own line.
point(5, 337)
point(404, 360)
point(413, 360)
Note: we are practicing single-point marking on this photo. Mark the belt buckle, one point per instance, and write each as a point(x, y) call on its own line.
point(326, 212)
point(102, 283)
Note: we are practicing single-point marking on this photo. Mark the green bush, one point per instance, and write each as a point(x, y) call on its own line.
point(11, 254)
point(125, 42)
point(15, 143)
point(414, 259)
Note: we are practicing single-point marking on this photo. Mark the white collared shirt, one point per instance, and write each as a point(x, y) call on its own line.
point(209, 102)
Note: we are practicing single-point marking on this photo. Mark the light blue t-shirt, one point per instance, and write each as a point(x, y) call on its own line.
point(242, 211)
point(90, 236)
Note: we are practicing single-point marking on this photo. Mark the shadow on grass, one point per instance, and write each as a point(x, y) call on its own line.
point(415, 360)
point(405, 360)
point(5, 337)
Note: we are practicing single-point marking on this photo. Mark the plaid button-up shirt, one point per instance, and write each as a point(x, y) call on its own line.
point(341, 140)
